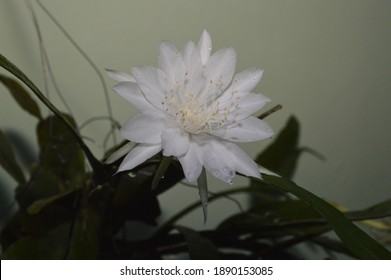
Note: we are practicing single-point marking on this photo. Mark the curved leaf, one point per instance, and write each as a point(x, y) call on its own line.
point(8, 160)
point(200, 248)
point(361, 244)
point(281, 150)
point(21, 96)
point(161, 170)
point(49, 246)
point(84, 243)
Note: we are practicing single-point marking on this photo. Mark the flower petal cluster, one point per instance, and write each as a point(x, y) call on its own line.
point(192, 106)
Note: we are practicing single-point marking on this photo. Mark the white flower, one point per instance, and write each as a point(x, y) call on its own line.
point(193, 107)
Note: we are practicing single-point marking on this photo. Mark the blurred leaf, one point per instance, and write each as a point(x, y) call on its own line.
point(60, 152)
point(379, 210)
point(115, 153)
point(42, 184)
point(161, 170)
point(276, 215)
point(203, 192)
point(134, 199)
point(85, 235)
point(361, 245)
point(330, 244)
point(21, 96)
point(49, 246)
point(8, 160)
point(39, 204)
point(200, 248)
point(275, 156)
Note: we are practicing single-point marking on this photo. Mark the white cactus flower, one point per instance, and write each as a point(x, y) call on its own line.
point(192, 106)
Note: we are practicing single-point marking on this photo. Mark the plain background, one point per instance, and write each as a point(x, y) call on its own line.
point(327, 62)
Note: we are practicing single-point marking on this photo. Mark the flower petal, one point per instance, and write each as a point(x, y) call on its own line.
point(170, 61)
point(131, 92)
point(246, 80)
point(222, 159)
point(249, 103)
point(190, 164)
point(242, 163)
point(194, 79)
point(175, 142)
point(216, 160)
point(248, 130)
point(119, 76)
point(143, 128)
point(148, 81)
point(219, 72)
point(205, 46)
point(138, 155)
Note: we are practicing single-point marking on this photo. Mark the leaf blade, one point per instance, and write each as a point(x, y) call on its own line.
point(8, 160)
point(362, 245)
point(200, 248)
point(21, 96)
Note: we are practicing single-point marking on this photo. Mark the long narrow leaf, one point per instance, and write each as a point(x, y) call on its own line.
point(361, 245)
point(21, 96)
point(164, 164)
point(8, 160)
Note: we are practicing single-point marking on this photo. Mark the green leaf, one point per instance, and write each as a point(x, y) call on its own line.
point(200, 248)
point(361, 244)
point(164, 164)
point(274, 215)
point(21, 96)
point(379, 210)
point(42, 184)
point(60, 152)
point(8, 160)
point(134, 199)
point(276, 154)
point(85, 235)
point(39, 204)
point(49, 246)
point(203, 191)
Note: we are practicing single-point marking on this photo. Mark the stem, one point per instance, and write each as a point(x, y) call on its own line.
point(271, 111)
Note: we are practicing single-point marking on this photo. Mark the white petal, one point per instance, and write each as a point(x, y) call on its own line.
point(131, 92)
point(246, 80)
point(266, 171)
point(143, 128)
point(194, 80)
point(175, 142)
point(222, 159)
point(138, 155)
point(119, 76)
point(119, 153)
point(219, 72)
point(205, 46)
point(148, 81)
point(190, 164)
point(250, 103)
point(170, 61)
point(248, 130)
point(242, 162)
point(216, 160)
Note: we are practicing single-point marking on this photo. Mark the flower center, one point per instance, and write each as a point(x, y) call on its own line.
point(194, 117)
